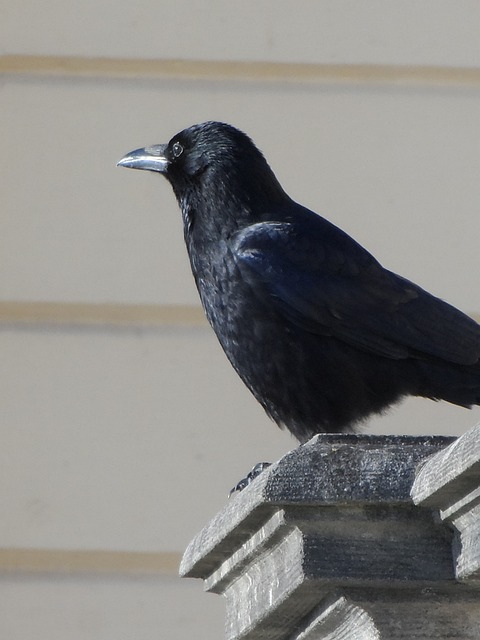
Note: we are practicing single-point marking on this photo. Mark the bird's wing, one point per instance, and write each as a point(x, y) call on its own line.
point(332, 286)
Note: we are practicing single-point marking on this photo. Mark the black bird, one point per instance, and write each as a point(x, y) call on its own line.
point(321, 334)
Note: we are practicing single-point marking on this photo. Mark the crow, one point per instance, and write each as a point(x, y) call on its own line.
point(319, 331)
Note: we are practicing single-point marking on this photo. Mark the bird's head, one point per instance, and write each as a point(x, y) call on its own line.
point(214, 162)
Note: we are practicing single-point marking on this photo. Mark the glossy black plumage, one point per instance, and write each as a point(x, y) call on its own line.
point(318, 330)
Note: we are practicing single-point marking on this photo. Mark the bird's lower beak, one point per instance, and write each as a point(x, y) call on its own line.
point(149, 158)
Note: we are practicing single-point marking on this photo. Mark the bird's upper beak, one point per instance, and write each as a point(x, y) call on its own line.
point(150, 158)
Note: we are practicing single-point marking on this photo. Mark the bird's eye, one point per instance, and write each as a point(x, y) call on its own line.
point(177, 150)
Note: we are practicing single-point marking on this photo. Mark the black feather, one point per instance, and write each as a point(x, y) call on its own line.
point(318, 330)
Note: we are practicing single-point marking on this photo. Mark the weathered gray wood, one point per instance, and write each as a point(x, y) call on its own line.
point(330, 469)
point(451, 474)
point(406, 615)
point(340, 619)
point(327, 543)
point(449, 481)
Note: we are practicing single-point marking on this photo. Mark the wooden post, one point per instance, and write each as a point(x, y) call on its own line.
point(328, 544)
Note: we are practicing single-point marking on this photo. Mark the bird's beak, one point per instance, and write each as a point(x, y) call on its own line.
point(149, 158)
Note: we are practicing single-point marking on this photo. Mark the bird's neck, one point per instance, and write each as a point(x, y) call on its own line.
point(228, 202)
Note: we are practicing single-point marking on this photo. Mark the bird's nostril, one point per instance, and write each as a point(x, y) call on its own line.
point(155, 150)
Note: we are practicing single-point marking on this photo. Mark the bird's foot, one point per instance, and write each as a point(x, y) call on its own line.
point(256, 471)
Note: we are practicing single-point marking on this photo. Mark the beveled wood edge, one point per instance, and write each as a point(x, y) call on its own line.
point(74, 314)
point(75, 561)
point(239, 70)
point(67, 314)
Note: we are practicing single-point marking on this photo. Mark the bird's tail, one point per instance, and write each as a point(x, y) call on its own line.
point(458, 384)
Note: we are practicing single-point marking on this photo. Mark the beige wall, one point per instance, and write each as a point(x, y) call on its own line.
point(123, 426)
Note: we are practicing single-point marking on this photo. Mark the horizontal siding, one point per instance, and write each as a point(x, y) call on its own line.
point(394, 166)
point(112, 316)
point(431, 32)
point(120, 439)
point(131, 439)
point(221, 70)
point(123, 426)
point(80, 562)
point(55, 314)
point(106, 607)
